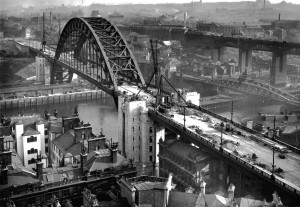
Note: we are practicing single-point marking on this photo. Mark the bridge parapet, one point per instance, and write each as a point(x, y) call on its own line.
point(216, 149)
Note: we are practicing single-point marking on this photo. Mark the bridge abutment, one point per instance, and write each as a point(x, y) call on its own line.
point(278, 69)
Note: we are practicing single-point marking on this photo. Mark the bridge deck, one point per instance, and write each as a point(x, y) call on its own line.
point(246, 147)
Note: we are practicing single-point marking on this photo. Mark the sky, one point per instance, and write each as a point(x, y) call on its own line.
point(27, 3)
point(87, 2)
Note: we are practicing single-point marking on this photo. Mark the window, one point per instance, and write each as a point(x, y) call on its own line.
point(133, 129)
point(150, 130)
point(133, 138)
point(46, 140)
point(31, 139)
point(150, 149)
point(32, 161)
point(133, 148)
point(150, 139)
point(150, 158)
point(32, 151)
point(46, 132)
point(139, 128)
point(133, 119)
point(46, 149)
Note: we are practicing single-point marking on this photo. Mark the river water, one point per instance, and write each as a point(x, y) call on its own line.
point(100, 113)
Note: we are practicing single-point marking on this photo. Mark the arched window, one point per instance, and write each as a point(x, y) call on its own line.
point(32, 151)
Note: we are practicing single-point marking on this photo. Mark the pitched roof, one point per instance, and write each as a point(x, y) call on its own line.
point(30, 131)
point(65, 140)
point(100, 160)
point(181, 199)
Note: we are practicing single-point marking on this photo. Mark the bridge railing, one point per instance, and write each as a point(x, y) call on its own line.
point(206, 141)
point(242, 127)
point(270, 91)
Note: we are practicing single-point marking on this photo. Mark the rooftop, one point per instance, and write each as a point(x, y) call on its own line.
point(146, 182)
point(30, 131)
point(101, 159)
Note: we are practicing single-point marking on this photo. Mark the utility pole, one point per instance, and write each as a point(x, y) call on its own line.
point(273, 138)
point(44, 38)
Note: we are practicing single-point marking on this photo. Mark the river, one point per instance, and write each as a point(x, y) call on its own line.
point(101, 113)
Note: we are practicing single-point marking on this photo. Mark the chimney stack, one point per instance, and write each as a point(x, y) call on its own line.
point(1, 144)
point(3, 175)
point(202, 187)
point(114, 155)
point(231, 189)
point(83, 162)
point(39, 170)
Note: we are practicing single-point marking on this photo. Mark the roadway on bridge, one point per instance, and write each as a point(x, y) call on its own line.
point(245, 147)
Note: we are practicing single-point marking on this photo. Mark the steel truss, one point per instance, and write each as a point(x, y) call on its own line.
point(95, 49)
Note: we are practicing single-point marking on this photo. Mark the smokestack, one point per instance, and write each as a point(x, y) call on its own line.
point(50, 19)
point(185, 18)
point(279, 17)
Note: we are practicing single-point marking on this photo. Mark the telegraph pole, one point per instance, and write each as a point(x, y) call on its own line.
point(44, 38)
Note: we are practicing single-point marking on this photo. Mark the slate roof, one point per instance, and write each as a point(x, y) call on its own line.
point(58, 174)
point(30, 132)
point(100, 160)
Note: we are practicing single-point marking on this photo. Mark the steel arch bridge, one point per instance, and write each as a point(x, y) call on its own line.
point(95, 49)
point(250, 87)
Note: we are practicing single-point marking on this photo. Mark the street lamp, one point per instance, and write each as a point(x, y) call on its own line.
point(273, 138)
point(273, 164)
point(221, 125)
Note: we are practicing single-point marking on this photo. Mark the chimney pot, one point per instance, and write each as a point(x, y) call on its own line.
point(231, 189)
point(202, 187)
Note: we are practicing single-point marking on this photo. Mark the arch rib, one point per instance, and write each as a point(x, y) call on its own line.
point(97, 37)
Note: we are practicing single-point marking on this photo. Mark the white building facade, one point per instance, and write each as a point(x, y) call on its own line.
point(31, 143)
point(138, 136)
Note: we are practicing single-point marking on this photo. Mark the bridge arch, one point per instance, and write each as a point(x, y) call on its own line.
point(96, 50)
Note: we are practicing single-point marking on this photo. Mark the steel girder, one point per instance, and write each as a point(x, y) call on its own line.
point(251, 87)
point(96, 49)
